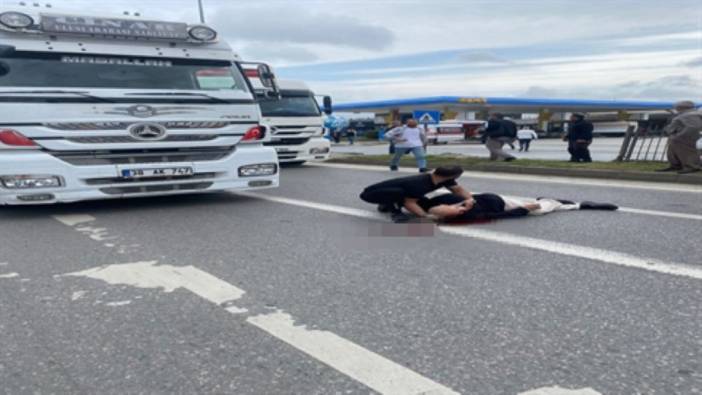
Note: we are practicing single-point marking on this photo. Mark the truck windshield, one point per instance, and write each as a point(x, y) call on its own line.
point(291, 104)
point(23, 69)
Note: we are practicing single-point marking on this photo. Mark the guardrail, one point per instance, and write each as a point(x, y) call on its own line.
point(643, 144)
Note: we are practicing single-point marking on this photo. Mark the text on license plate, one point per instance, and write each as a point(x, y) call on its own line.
point(164, 172)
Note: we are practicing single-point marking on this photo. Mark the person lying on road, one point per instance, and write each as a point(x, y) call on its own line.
point(450, 208)
point(405, 192)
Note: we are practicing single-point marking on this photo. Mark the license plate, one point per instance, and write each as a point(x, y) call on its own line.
point(162, 172)
point(283, 149)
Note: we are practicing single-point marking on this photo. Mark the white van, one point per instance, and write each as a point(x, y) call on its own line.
point(453, 130)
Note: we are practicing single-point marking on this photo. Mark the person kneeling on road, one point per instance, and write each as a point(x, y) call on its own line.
point(489, 206)
point(405, 192)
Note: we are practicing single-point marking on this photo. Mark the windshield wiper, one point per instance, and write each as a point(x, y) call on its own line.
point(212, 98)
point(78, 93)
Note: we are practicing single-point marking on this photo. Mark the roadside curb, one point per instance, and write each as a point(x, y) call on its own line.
point(582, 173)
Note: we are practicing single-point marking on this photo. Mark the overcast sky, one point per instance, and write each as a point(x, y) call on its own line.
point(366, 50)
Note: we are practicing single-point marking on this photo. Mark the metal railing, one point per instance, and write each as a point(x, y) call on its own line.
point(644, 144)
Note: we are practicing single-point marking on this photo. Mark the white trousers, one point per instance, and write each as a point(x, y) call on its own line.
point(547, 205)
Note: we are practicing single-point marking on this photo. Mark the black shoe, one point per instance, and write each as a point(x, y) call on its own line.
point(393, 168)
point(423, 170)
point(598, 206)
point(688, 171)
point(669, 169)
point(386, 208)
point(400, 217)
point(561, 201)
point(511, 158)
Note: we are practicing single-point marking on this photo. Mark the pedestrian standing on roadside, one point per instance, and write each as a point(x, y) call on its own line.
point(409, 138)
point(579, 138)
point(351, 135)
point(525, 135)
point(395, 124)
point(496, 135)
point(683, 133)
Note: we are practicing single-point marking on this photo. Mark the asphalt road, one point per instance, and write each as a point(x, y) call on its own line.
point(295, 291)
point(602, 149)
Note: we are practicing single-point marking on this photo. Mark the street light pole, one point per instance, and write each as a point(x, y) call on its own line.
point(202, 12)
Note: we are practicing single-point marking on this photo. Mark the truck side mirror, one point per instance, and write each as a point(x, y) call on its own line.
point(265, 74)
point(327, 104)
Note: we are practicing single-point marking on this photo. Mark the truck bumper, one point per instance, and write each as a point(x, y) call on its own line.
point(316, 149)
point(80, 182)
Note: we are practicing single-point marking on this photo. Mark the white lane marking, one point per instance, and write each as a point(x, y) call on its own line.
point(74, 219)
point(651, 186)
point(167, 277)
point(77, 295)
point(596, 254)
point(354, 212)
point(351, 359)
point(657, 213)
point(3, 264)
point(9, 275)
point(630, 210)
point(367, 367)
point(118, 304)
point(556, 390)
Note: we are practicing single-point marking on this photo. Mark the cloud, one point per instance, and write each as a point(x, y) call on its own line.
point(299, 25)
point(479, 57)
point(697, 62)
point(278, 54)
point(671, 87)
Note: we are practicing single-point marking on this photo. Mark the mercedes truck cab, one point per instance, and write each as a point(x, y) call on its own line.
point(98, 107)
point(296, 123)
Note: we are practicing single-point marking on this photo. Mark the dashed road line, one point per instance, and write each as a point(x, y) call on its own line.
point(9, 275)
point(626, 184)
point(556, 390)
point(74, 219)
point(362, 365)
point(596, 254)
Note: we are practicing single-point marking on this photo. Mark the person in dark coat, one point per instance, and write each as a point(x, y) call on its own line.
point(496, 135)
point(579, 138)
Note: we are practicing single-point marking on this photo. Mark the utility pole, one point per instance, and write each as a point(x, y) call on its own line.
point(202, 12)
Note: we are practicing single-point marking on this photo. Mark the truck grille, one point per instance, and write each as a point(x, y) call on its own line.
point(295, 141)
point(118, 180)
point(125, 157)
point(129, 139)
point(125, 125)
point(156, 188)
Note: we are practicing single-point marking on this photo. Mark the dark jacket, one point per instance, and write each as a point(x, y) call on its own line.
point(580, 130)
point(509, 128)
point(494, 129)
point(487, 206)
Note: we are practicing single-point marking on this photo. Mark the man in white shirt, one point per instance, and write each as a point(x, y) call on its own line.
point(525, 135)
point(409, 138)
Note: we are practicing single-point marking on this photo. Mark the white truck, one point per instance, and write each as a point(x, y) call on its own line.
point(296, 123)
point(96, 108)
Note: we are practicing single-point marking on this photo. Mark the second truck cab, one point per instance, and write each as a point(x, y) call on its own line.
point(296, 123)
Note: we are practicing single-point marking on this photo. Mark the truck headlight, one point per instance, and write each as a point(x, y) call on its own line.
point(202, 33)
point(262, 169)
point(16, 20)
point(31, 181)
